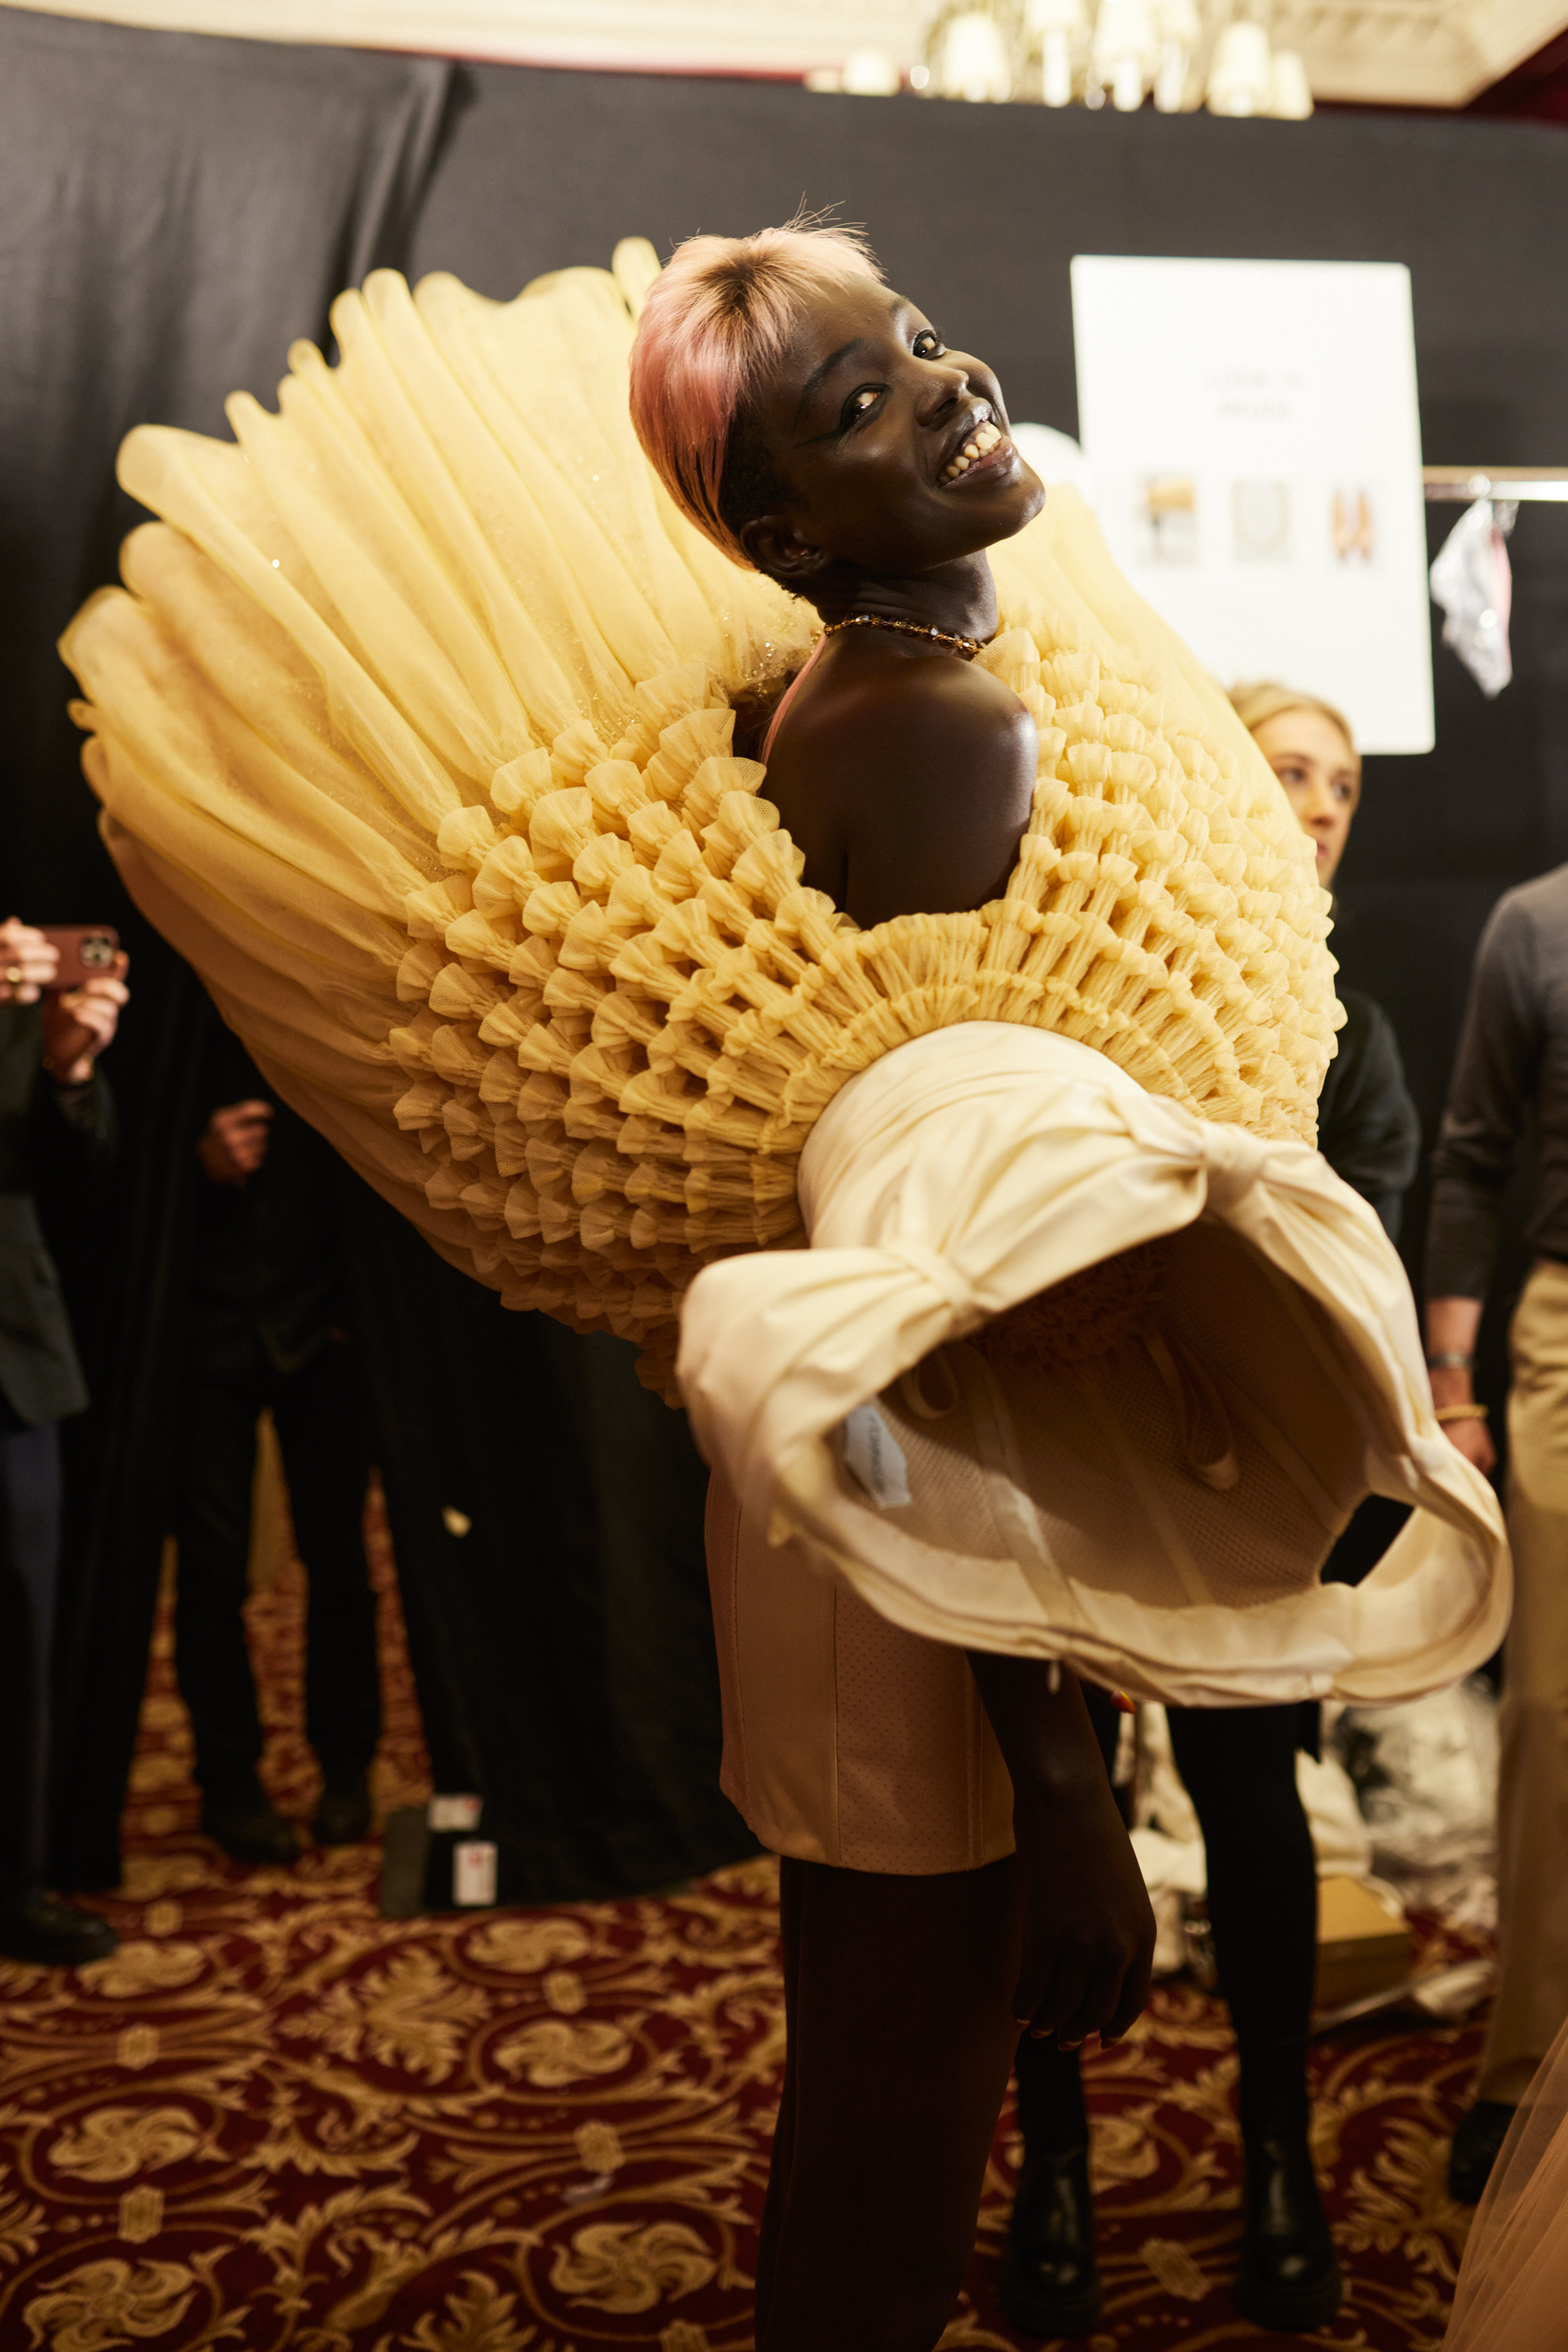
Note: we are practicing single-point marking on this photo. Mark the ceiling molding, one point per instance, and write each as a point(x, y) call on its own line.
point(1421, 53)
point(663, 36)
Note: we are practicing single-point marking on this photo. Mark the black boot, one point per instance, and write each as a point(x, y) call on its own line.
point(241, 1818)
point(35, 1927)
point(1289, 2276)
point(1049, 2284)
point(343, 1814)
point(1477, 2145)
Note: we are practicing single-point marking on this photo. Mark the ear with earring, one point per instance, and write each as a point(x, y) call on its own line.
point(778, 552)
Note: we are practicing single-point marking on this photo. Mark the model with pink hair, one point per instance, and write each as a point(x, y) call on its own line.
point(812, 422)
point(718, 323)
point(1086, 1355)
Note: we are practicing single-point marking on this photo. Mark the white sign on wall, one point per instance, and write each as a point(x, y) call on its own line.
point(1255, 454)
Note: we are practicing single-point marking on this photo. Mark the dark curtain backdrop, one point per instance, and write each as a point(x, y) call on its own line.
point(175, 210)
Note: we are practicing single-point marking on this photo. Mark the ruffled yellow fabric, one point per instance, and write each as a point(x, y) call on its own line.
point(413, 729)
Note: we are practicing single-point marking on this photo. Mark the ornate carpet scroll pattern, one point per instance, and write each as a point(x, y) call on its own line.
point(275, 2120)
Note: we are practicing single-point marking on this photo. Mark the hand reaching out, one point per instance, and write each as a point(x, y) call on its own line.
point(233, 1143)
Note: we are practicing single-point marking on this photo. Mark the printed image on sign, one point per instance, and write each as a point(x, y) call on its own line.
point(1254, 455)
point(473, 1872)
point(448, 1813)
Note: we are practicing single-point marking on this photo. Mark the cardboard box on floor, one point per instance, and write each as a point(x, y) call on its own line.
point(1364, 1945)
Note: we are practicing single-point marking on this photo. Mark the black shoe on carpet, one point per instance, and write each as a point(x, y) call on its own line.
point(344, 1814)
point(1049, 2284)
point(1288, 2277)
point(1481, 2134)
point(248, 1826)
point(52, 1935)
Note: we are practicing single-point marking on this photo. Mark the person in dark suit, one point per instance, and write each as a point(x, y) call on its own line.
point(265, 1328)
point(56, 1120)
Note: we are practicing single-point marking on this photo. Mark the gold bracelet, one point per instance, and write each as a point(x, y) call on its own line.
point(1461, 1412)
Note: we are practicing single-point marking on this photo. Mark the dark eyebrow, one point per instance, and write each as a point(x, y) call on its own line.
point(834, 359)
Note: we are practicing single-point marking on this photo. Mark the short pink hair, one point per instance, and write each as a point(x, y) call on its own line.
point(717, 322)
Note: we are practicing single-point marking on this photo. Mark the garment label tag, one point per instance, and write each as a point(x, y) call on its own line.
point(473, 1872)
point(453, 1812)
point(875, 1458)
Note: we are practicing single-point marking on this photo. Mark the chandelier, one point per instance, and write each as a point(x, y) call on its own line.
point(1094, 53)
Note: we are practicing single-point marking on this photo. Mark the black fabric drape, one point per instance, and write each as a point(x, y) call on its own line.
point(183, 208)
point(176, 209)
point(561, 1644)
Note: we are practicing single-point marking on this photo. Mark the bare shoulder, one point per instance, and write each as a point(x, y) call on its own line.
point(907, 783)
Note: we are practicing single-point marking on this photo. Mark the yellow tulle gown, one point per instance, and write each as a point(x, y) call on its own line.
point(414, 728)
point(1512, 2293)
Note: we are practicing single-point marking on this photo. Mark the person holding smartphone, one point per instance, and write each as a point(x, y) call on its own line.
point(56, 1120)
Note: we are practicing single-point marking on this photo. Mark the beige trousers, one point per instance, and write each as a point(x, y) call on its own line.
point(1533, 1793)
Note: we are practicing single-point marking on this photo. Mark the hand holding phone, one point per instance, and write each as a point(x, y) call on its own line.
point(84, 951)
point(81, 998)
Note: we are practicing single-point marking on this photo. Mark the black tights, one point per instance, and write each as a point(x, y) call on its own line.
point(1240, 1767)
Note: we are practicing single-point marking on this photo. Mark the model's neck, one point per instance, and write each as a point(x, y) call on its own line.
point(958, 598)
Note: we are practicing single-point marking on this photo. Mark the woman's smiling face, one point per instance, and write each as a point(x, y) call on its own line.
point(893, 452)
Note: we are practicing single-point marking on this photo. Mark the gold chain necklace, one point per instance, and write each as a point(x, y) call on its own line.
point(968, 646)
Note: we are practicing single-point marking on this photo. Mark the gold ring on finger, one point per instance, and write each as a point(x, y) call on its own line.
point(14, 975)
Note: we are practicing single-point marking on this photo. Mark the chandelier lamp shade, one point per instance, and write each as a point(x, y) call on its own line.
point(1061, 28)
point(1180, 30)
point(1290, 91)
point(870, 74)
point(1060, 52)
point(1241, 74)
point(1123, 51)
point(974, 53)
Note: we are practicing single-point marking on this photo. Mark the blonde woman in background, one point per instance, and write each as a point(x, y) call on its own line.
point(1240, 1764)
point(1368, 1130)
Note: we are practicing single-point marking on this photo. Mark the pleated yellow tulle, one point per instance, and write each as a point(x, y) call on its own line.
point(413, 730)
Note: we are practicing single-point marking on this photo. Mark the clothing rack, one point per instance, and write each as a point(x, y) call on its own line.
point(1460, 485)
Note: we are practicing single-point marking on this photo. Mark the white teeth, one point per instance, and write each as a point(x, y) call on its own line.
point(986, 437)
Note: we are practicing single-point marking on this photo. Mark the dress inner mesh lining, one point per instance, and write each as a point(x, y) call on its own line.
point(1261, 1541)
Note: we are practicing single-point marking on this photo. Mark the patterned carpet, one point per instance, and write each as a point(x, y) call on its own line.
point(275, 2121)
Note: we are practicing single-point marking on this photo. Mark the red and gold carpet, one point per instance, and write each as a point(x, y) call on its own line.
point(276, 2122)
